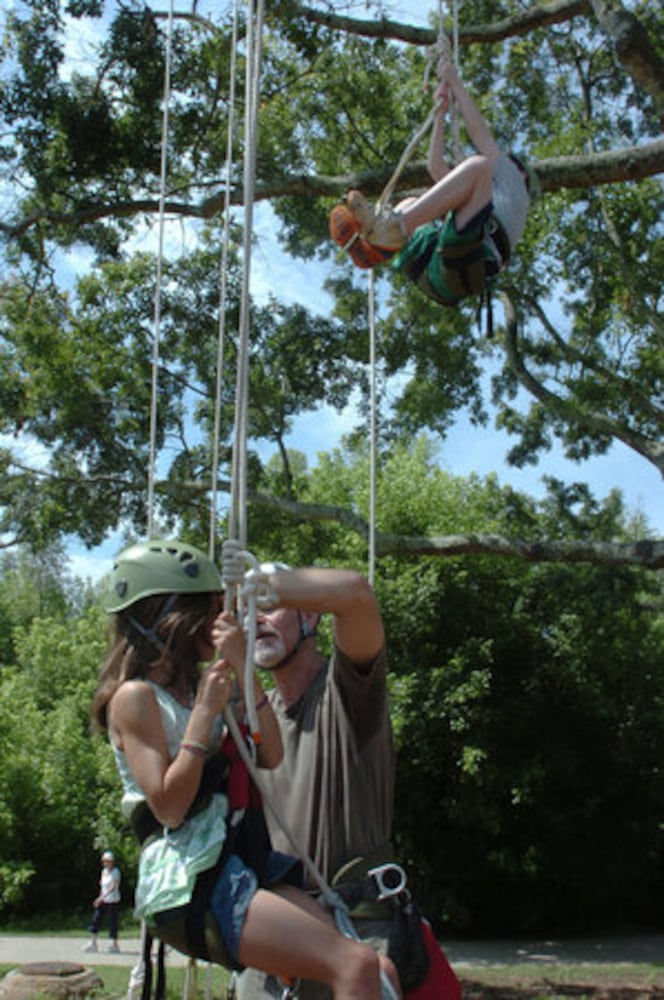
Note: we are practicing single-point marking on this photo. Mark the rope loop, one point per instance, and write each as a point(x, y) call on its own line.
point(232, 563)
point(439, 54)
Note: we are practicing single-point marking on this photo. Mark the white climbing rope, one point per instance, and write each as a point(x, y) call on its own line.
point(438, 54)
point(454, 55)
point(238, 517)
point(373, 419)
point(223, 282)
point(237, 527)
point(158, 281)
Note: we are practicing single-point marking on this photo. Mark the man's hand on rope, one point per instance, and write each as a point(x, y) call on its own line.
point(256, 579)
point(267, 595)
point(259, 581)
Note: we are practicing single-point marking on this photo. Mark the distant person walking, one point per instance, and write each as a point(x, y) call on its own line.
point(106, 904)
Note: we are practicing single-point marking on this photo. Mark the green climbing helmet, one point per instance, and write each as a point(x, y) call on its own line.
point(159, 567)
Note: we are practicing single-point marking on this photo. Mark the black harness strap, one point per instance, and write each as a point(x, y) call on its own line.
point(160, 988)
point(146, 958)
point(147, 964)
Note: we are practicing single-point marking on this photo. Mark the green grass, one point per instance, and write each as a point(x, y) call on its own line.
point(540, 982)
point(558, 979)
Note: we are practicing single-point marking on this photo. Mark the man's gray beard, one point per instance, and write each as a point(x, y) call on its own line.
point(274, 656)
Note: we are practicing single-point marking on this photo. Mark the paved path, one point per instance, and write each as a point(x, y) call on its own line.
point(643, 949)
point(646, 948)
point(20, 949)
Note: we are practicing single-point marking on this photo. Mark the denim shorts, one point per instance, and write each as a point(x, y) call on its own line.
point(236, 887)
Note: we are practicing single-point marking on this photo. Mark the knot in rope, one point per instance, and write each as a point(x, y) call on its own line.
point(439, 55)
point(232, 563)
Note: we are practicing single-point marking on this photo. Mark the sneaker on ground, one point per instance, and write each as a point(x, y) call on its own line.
point(113, 949)
point(90, 947)
point(383, 230)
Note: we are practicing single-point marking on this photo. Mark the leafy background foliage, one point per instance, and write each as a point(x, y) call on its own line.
point(527, 705)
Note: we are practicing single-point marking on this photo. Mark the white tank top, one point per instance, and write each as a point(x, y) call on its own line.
point(174, 719)
point(511, 200)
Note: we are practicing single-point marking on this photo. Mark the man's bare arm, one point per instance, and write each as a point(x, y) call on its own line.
point(358, 625)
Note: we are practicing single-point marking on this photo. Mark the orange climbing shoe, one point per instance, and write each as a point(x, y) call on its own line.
point(345, 231)
point(384, 230)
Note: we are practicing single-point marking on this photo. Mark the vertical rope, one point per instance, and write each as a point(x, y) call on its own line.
point(455, 32)
point(372, 430)
point(456, 123)
point(405, 156)
point(157, 295)
point(223, 282)
point(238, 514)
point(439, 53)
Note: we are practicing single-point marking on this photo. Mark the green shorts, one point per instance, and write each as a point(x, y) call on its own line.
point(445, 264)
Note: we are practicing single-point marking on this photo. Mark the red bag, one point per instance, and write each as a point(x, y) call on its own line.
point(441, 982)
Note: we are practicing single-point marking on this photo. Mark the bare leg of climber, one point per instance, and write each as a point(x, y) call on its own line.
point(289, 935)
point(465, 189)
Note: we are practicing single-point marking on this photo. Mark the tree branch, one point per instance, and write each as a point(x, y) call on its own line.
point(646, 553)
point(632, 44)
point(630, 164)
point(653, 451)
point(521, 23)
point(633, 48)
point(629, 388)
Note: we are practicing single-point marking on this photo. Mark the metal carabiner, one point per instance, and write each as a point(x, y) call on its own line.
point(390, 879)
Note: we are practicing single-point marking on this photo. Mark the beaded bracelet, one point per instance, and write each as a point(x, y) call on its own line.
point(262, 703)
point(193, 746)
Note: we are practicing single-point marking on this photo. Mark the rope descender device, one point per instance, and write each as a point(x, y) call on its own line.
point(246, 588)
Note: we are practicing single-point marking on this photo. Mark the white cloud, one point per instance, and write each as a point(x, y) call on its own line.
point(93, 563)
